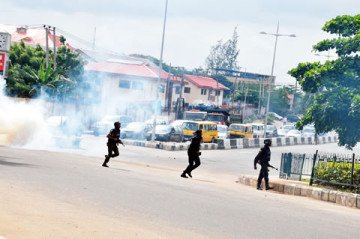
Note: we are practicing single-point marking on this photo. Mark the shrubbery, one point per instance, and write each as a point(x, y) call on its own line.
point(336, 172)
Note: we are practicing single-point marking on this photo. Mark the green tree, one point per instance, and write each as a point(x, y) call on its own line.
point(335, 83)
point(281, 103)
point(224, 55)
point(28, 74)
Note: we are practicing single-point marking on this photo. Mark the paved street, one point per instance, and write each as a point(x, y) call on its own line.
point(143, 193)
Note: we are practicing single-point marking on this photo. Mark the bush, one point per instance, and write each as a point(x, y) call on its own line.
point(336, 172)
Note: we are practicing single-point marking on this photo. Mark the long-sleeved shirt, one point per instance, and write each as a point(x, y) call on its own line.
point(195, 145)
point(263, 157)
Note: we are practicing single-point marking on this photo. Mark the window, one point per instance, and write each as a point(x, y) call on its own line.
point(203, 91)
point(187, 90)
point(177, 90)
point(124, 84)
point(137, 85)
point(217, 93)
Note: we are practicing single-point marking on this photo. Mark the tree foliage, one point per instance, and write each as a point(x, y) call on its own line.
point(281, 103)
point(336, 83)
point(224, 55)
point(28, 75)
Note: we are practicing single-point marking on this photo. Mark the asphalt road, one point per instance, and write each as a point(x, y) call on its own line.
point(145, 184)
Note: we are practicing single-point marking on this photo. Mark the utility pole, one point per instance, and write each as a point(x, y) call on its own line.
point(94, 39)
point(54, 41)
point(271, 78)
point(160, 70)
point(46, 46)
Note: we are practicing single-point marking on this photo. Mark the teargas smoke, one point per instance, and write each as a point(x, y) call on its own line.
point(19, 120)
point(44, 123)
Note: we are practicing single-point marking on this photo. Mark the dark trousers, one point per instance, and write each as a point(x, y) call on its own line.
point(113, 151)
point(194, 162)
point(264, 174)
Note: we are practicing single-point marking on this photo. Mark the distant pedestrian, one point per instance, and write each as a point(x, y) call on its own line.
point(193, 153)
point(263, 158)
point(113, 141)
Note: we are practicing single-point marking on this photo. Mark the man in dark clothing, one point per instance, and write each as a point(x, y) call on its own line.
point(113, 141)
point(193, 153)
point(263, 159)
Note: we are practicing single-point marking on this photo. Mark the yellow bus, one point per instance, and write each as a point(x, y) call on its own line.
point(209, 130)
point(240, 131)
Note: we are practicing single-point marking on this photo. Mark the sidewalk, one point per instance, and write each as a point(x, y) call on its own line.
point(297, 188)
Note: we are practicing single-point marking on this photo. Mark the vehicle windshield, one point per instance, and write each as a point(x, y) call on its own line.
point(241, 128)
point(190, 126)
point(257, 127)
point(216, 118)
point(289, 127)
point(197, 116)
point(309, 130)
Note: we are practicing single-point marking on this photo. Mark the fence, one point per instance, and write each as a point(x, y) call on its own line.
point(329, 169)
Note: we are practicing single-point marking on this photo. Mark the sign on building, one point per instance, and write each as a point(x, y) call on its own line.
point(5, 41)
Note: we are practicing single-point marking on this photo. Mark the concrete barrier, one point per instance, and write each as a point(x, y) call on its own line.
point(232, 143)
point(294, 188)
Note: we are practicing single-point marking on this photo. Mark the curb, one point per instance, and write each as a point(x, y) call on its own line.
point(231, 143)
point(285, 187)
point(169, 146)
point(276, 142)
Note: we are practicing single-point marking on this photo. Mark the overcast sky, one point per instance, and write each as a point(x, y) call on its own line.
point(193, 26)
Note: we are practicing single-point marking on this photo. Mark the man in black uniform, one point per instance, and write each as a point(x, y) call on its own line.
point(113, 141)
point(263, 159)
point(193, 153)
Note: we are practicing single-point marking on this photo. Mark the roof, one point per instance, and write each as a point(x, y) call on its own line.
point(130, 68)
point(31, 36)
point(205, 82)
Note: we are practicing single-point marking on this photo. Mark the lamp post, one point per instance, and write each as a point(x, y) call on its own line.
point(160, 71)
point(272, 70)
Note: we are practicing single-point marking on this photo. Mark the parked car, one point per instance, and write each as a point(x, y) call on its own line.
point(135, 130)
point(107, 123)
point(240, 131)
point(209, 130)
point(271, 131)
point(178, 123)
point(222, 131)
point(308, 131)
point(160, 120)
point(276, 116)
point(165, 133)
point(285, 129)
point(293, 118)
point(65, 131)
point(258, 130)
point(294, 133)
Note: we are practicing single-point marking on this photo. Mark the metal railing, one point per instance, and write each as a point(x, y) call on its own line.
point(329, 169)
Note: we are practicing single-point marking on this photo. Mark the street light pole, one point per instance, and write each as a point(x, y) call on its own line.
point(272, 72)
point(160, 71)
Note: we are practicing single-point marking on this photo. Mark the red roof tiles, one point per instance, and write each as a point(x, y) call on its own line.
point(205, 82)
point(135, 68)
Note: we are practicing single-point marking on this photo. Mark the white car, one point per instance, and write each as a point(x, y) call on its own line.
point(285, 129)
point(308, 131)
point(222, 131)
point(294, 133)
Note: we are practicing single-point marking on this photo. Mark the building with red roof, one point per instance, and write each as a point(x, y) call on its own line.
point(34, 35)
point(133, 80)
point(203, 89)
